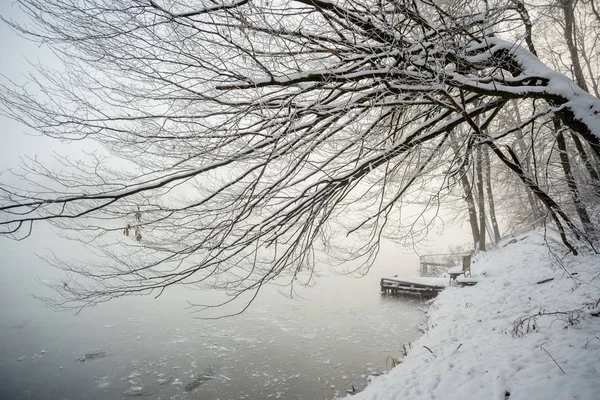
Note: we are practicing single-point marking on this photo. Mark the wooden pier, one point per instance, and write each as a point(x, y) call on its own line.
point(423, 286)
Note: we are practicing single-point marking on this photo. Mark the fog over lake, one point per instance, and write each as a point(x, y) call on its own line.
point(317, 345)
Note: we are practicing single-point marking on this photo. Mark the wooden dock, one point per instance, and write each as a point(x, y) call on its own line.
point(423, 286)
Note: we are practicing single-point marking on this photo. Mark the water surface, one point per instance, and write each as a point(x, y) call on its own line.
point(318, 346)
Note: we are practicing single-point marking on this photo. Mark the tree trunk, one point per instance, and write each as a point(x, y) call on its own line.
point(522, 10)
point(587, 162)
point(570, 39)
point(553, 207)
point(573, 189)
point(567, 6)
point(470, 206)
point(488, 186)
point(468, 190)
point(536, 211)
point(481, 198)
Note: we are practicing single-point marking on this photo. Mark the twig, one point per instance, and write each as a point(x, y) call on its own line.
point(429, 350)
point(545, 280)
point(587, 341)
point(563, 371)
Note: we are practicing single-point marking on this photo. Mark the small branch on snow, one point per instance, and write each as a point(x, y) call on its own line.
point(526, 324)
point(587, 341)
point(563, 371)
point(545, 280)
point(429, 350)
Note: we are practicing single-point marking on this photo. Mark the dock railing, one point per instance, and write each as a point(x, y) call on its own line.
point(437, 264)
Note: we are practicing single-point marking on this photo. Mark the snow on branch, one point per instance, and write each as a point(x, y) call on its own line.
point(248, 142)
point(199, 11)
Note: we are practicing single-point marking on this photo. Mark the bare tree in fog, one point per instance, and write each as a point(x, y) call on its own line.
point(250, 140)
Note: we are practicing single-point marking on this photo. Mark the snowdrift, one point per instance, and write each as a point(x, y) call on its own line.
point(508, 337)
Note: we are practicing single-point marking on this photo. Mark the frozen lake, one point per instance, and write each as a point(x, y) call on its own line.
point(314, 347)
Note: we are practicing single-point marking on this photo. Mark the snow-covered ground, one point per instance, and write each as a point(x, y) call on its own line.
point(508, 337)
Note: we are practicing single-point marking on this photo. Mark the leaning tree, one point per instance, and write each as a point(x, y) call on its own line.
point(250, 139)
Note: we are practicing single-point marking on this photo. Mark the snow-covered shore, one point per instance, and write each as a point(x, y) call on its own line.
point(475, 347)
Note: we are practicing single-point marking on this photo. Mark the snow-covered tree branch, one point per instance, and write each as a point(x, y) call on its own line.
point(256, 136)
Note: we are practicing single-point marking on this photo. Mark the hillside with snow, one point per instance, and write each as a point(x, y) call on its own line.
point(530, 329)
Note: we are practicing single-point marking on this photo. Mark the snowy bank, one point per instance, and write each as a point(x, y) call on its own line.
point(508, 337)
